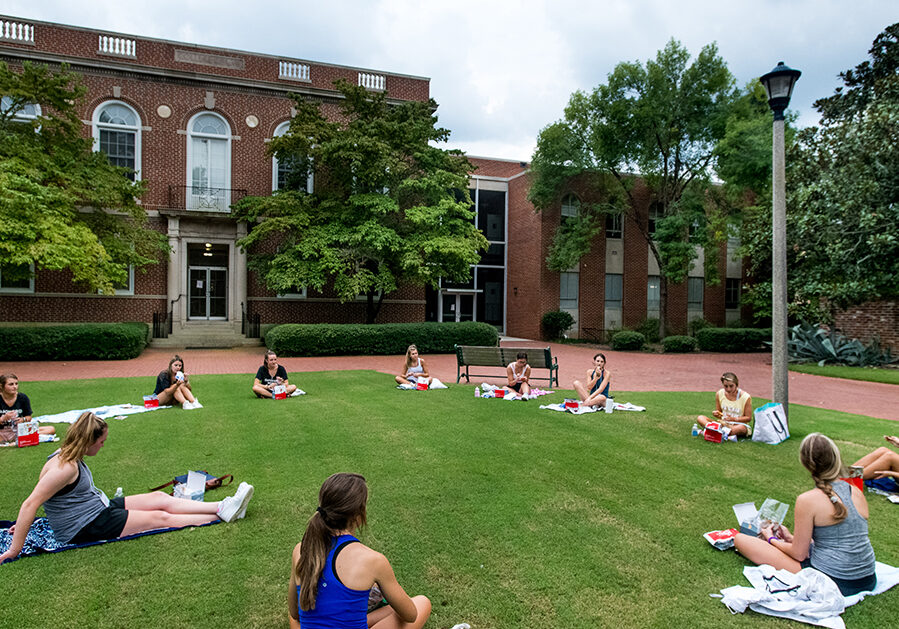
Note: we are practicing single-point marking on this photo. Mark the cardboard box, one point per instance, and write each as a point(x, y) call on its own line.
point(572, 404)
point(151, 401)
point(421, 386)
point(279, 392)
point(27, 434)
point(497, 392)
point(713, 432)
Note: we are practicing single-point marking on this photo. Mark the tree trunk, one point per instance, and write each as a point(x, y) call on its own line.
point(663, 306)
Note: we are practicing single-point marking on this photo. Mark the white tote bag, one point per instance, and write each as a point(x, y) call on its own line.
point(770, 424)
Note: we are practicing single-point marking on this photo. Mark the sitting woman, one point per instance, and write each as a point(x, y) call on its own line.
point(332, 572)
point(15, 408)
point(80, 513)
point(883, 463)
point(271, 375)
point(518, 375)
point(598, 386)
point(173, 386)
point(733, 407)
point(830, 526)
point(415, 370)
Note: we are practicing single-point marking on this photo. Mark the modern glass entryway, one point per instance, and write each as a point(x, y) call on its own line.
point(207, 282)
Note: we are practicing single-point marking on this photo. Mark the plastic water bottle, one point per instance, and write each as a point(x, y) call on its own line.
point(696, 430)
point(477, 392)
point(119, 493)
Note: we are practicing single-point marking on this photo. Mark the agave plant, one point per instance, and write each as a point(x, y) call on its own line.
point(810, 343)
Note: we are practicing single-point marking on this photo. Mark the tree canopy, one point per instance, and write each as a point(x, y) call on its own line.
point(388, 206)
point(842, 197)
point(62, 205)
point(662, 122)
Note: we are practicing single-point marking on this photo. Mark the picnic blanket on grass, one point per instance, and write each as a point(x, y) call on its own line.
point(435, 384)
point(808, 596)
point(103, 412)
point(581, 409)
point(41, 539)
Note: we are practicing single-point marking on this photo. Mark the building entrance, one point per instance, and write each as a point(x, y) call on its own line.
point(207, 282)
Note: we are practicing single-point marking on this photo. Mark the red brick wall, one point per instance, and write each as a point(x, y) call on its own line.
point(864, 322)
point(713, 298)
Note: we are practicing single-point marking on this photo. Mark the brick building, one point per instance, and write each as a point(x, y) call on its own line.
point(194, 122)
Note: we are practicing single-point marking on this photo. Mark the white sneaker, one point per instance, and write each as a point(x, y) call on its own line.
point(197, 404)
point(187, 406)
point(235, 507)
point(298, 392)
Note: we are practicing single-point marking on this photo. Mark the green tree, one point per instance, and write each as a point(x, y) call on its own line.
point(62, 205)
point(662, 120)
point(387, 206)
point(842, 197)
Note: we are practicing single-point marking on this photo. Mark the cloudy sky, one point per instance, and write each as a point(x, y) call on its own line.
point(501, 69)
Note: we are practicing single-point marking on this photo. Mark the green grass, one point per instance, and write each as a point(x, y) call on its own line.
point(506, 516)
point(868, 374)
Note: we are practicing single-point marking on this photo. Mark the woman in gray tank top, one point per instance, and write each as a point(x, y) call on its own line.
point(79, 512)
point(830, 526)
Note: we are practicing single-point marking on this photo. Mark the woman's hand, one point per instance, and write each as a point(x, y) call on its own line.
point(718, 414)
point(892, 439)
point(767, 532)
point(8, 555)
point(885, 474)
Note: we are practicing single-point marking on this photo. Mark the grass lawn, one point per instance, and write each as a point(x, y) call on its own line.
point(868, 374)
point(506, 516)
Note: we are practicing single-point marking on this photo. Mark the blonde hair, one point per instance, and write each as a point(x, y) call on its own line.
point(81, 436)
point(409, 355)
point(727, 376)
point(821, 457)
point(341, 504)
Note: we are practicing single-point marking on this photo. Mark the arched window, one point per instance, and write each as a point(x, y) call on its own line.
point(117, 133)
point(571, 206)
point(22, 112)
point(282, 170)
point(208, 163)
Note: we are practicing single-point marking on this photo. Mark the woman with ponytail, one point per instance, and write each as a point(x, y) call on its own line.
point(830, 525)
point(332, 572)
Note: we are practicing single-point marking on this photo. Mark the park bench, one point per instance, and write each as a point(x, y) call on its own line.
point(479, 356)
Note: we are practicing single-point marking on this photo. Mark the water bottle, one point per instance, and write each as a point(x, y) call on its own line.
point(119, 493)
point(697, 430)
point(477, 392)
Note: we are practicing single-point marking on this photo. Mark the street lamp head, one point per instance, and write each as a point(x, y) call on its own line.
point(779, 86)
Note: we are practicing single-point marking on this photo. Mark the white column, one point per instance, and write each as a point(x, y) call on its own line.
point(240, 274)
point(175, 264)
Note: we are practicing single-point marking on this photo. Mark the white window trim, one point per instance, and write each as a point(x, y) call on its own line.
point(300, 295)
point(96, 125)
point(21, 291)
point(570, 201)
point(21, 117)
point(191, 134)
point(310, 180)
point(130, 289)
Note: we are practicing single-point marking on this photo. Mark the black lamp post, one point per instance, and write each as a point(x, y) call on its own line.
point(779, 86)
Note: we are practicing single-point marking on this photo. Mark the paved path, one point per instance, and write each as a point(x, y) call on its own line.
point(632, 371)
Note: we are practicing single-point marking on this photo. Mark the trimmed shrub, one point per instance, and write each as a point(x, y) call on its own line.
point(698, 324)
point(628, 340)
point(83, 341)
point(555, 323)
point(650, 329)
point(326, 339)
point(733, 339)
point(679, 344)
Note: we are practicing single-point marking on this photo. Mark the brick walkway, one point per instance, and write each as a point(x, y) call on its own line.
point(632, 371)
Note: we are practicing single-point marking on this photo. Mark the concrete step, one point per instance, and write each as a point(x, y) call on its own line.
point(206, 335)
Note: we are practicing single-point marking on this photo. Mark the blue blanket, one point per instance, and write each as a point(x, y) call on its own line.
point(41, 539)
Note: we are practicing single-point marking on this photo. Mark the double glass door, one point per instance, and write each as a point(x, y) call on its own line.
point(457, 307)
point(207, 292)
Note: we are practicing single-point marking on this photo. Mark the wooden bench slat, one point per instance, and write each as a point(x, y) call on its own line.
point(479, 356)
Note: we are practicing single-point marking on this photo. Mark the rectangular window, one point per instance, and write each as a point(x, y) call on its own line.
point(568, 290)
point(491, 214)
point(119, 149)
point(614, 290)
point(613, 225)
point(653, 293)
point(17, 279)
point(126, 287)
point(294, 292)
point(655, 213)
point(695, 288)
point(293, 177)
point(732, 294)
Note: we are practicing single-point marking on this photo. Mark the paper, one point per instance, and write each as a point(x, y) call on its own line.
point(196, 482)
point(745, 512)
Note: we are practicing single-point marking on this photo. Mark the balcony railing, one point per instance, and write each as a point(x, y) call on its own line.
point(20, 32)
point(117, 46)
point(204, 199)
point(375, 82)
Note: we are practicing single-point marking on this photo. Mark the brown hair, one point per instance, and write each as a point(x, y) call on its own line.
point(341, 505)
point(81, 436)
point(727, 376)
point(7, 377)
point(265, 356)
point(820, 456)
point(175, 359)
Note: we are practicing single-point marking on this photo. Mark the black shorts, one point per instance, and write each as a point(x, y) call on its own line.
point(516, 387)
point(109, 524)
point(848, 587)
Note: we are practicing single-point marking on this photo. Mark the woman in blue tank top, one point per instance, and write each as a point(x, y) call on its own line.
point(830, 526)
point(596, 388)
point(79, 513)
point(332, 572)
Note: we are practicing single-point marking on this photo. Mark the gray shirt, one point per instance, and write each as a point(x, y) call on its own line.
point(74, 506)
point(843, 550)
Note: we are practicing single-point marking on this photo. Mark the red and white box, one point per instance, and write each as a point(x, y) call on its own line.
point(27, 434)
point(722, 540)
point(421, 386)
point(497, 392)
point(572, 404)
point(151, 401)
point(713, 432)
point(279, 392)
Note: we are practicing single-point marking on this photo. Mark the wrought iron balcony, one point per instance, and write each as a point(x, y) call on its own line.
point(203, 198)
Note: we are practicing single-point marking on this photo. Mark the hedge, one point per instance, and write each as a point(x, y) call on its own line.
point(325, 339)
point(627, 340)
point(732, 339)
point(83, 341)
point(555, 323)
point(679, 344)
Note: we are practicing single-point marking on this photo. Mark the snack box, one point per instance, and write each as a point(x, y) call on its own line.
point(713, 432)
point(151, 401)
point(421, 386)
point(27, 434)
point(572, 404)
